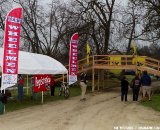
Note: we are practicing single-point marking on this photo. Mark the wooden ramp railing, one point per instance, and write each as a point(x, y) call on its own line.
point(81, 65)
point(151, 65)
point(127, 62)
point(113, 62)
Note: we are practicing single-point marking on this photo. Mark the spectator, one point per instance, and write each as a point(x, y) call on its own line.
point(52, 86)
point(124, 88)
point(135, 85)
point(20, 87)
point(146, 85)
point(83, 85)
point(34, 94)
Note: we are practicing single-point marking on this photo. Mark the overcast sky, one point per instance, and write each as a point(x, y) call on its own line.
point(123, 2)
point(45, 2)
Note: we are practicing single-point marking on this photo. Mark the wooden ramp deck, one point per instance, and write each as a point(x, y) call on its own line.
point(126, 62)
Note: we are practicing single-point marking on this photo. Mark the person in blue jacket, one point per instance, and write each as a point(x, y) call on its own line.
point(146, 85)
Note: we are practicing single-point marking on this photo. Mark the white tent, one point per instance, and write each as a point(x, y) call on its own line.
point(31, 63)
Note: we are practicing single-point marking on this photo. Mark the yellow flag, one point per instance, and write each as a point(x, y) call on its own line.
point(134, 48)
point(116, 60)
point(88, 52)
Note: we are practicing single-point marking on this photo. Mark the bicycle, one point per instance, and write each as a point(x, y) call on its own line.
point(64, 89)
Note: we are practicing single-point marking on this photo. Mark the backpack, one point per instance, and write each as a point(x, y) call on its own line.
point(136, 83)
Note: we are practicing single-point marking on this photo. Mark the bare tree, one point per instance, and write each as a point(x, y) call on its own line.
point(40, 27)
point(151, 18)
point(4, 8)
point(131, 18)
point(99, 13)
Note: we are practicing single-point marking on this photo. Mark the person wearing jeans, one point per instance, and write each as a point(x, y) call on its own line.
point(20, 87)
point(136, 84)
point(124, 88)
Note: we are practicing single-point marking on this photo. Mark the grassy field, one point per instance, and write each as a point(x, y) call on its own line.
point(154, 103)
point(14, 104)
point(28, 102)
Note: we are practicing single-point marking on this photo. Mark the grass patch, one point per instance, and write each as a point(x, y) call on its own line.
point(13, 105)
point(154, 103)
point(75, 90)
point(116, 72)
point(27, 102)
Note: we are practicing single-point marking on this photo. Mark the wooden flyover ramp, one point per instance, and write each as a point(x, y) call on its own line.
point(126, 62)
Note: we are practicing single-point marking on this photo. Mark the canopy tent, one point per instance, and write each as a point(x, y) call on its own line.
point(31, 63)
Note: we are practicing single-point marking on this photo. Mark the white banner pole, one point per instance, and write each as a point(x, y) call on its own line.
point(67, 79)
point(4, 105)
point(63, 77)
point(27, 85)
point(42, 97)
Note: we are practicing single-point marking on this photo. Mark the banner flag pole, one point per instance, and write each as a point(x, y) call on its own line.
point(11, 48)
point(11, 45)
point(4, 105)
point(73, 65)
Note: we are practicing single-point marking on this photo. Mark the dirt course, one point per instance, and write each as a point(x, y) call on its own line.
point(101, 111)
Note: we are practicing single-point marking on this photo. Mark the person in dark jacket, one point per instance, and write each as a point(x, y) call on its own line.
point(20, 87)
point(52, 86)
point(135, 85)
point(124, 88)
point(146, 85)
point(83, 85)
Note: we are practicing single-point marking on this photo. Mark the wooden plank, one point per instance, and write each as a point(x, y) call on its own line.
point(103, 62)
point(115, 67)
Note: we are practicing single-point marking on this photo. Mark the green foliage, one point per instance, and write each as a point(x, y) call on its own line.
point(116, 72)
point(154, 103)
point(14, 104)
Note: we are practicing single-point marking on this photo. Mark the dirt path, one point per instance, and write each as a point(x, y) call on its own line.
point(102, 111)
